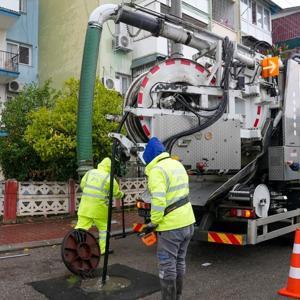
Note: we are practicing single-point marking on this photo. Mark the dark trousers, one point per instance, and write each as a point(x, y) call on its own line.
point(171, 252)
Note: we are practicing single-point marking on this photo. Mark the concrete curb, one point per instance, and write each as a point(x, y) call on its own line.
point(46, 243)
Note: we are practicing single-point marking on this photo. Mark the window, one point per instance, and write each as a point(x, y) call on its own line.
point(24, 52)
point(259, 16)
point(267, 20)
point(256, 14)
point(12, 48)
point(23, 6)
point(123, 82)
point(24, 55)
point(223, 12)
point(254, 20)
point(244, 9)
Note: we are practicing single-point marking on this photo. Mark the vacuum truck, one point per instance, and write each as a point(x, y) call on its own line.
point(231, 116)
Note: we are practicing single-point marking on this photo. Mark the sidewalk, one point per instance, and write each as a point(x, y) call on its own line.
point(52, 231)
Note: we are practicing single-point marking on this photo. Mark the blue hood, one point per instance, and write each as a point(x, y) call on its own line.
point(153, 149)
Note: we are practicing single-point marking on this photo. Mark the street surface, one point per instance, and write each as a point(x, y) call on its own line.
point(253, 272)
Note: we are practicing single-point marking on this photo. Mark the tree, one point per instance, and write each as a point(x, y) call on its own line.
point(52, 130)
point(17, 158)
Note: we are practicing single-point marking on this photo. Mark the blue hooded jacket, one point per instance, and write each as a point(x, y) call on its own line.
point(153, 149)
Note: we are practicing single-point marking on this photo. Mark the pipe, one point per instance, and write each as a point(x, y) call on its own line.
point(176, 48)
point(139, 20)
point(87, 85)
point(160, 28)
point(277, 119)
point(202, 40)
point(102, 14)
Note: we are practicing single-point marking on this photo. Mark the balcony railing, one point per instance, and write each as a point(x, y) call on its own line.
point(9, 61)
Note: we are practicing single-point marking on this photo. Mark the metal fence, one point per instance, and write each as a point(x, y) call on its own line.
point(9, 61)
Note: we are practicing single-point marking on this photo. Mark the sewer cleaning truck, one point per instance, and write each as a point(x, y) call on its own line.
point(233, 122)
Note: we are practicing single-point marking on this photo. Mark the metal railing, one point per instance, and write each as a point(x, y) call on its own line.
point(9, 61)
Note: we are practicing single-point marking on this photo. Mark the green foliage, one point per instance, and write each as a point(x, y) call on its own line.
point(17, 158)
point(277, 50)
point(52, 130)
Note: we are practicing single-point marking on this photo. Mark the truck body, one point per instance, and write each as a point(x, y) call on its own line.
point(241, 188)
point(231, 116)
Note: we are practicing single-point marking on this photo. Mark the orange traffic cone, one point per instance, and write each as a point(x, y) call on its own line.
point(292, 289)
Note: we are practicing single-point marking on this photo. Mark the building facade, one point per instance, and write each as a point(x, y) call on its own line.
point(245, 21)
point(125, 51)
point(286, 29)
point(18, 46)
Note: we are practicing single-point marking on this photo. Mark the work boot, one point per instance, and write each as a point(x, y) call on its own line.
point(179, 285)
point(168, 289)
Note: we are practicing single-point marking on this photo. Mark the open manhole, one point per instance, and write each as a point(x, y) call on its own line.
point(113, 283)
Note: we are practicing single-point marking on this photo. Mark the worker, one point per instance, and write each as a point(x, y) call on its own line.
point(93, 207)
point(293, 165)
point(171, 215)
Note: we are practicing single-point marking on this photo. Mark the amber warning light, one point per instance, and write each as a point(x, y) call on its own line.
point(270, 67)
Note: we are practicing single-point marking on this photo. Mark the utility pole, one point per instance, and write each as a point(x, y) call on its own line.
point(176, 10)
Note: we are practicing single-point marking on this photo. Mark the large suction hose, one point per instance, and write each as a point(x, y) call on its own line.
point(86, 97)
point(87, 84)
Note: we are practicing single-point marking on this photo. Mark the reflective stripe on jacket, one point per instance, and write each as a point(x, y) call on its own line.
point(95, 190)
point(167, 183)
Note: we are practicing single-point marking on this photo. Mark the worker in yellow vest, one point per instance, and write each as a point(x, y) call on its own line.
point(93, 207)
point(171, 215)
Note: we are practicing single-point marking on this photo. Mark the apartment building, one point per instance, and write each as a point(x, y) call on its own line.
point(286, 29)
point(18, 46)
point(125, 51)
point(256, 22)
point(245, 21)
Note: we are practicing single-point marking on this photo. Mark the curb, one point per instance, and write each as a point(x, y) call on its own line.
point(46, 243)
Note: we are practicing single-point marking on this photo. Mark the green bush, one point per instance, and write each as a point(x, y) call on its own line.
point(52, 129)
point(18, 159)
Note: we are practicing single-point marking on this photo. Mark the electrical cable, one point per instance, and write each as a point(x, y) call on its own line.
point(200, 108)
point(181, 99)
point(186, 105)
point(133, 35)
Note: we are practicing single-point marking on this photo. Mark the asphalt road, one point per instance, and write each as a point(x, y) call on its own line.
point(255, 272)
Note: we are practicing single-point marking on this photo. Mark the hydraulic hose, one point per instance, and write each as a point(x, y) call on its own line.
point(86, 97)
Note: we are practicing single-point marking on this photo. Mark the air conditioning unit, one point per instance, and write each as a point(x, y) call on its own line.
point(109, 83)
point(14, 86)
point(123, 43)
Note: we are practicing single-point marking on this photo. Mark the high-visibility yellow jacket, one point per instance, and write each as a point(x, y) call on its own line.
point(167, 183)
point(95, 191)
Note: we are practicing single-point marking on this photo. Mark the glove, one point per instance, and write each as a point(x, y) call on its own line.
point(80, 236)
point(149, 227)
point(295, 166)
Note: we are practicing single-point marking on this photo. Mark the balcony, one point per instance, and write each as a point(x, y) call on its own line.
point(9, 13)
point(9, 66)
